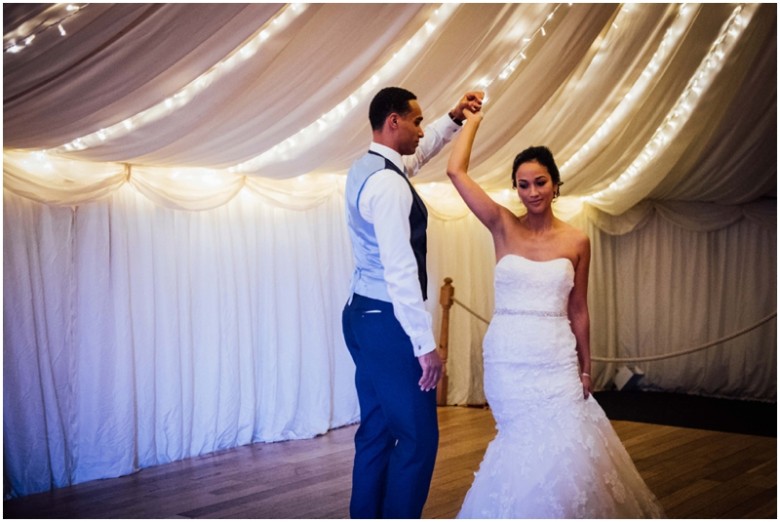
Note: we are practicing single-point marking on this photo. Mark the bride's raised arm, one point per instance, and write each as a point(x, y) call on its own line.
point(482, 205)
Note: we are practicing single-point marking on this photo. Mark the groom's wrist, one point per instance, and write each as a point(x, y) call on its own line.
point(457, 121)
point(423, 344)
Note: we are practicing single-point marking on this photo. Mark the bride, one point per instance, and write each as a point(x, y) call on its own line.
point(555, 454)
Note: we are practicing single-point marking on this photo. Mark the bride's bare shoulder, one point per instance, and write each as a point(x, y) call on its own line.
point(574, 235)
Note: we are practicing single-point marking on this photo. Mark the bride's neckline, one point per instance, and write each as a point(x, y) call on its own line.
point(535, 260)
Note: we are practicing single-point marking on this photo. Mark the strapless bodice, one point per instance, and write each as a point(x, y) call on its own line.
point(535, 287)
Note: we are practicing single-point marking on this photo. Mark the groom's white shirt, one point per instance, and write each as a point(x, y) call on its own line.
point(385, 202)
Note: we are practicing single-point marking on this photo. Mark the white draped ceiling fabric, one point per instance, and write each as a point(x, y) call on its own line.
point(175, 257)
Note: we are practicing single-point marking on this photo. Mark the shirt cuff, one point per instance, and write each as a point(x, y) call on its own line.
point(450, 125)
point(452, 119)
point(423, 343)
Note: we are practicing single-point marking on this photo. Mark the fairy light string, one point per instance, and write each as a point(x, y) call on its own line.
point(186, 94)
point(441, 198)
point(685, 105)
point(510, 67)
point(53, 17)
point(663, 54)
point(702, 79)
point(315, 132)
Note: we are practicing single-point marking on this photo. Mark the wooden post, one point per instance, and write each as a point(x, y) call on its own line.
point(445, 300)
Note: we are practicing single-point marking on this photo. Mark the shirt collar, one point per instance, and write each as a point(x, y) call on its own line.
point(388, 153)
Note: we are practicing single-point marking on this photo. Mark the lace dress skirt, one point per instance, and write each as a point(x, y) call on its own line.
point(556, 454)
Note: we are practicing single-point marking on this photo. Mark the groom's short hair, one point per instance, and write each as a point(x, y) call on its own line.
point(386, 102)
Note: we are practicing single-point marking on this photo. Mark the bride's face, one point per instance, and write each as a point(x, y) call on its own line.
point(534, 186)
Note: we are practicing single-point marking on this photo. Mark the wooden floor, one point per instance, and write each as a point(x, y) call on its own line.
point(694, 473)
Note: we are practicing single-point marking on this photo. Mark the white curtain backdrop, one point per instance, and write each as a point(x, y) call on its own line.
point(136, 335)
point(175, 257)
point(685, 276)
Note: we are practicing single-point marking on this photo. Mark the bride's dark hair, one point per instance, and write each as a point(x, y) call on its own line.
point(544, 157)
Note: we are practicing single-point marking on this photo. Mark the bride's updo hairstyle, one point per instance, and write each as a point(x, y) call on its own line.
point(544, 157)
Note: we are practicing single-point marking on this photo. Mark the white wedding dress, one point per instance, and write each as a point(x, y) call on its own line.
point(556, 454)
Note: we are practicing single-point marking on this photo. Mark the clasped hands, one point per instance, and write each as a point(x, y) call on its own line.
point(470, 104)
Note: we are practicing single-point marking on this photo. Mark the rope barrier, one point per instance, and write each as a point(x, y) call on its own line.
point(652, 357)
point(472, 312)
point(689, 351)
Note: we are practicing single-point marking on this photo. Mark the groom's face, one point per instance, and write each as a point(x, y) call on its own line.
point(409, 129)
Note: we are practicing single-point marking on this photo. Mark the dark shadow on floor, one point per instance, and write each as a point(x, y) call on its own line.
point(691, 411)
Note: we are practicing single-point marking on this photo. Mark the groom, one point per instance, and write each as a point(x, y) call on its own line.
point(386, 327)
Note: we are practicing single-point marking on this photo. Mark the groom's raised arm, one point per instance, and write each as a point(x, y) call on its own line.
point(441, 132)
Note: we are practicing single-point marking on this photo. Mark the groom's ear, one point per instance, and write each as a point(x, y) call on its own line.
point(392, 120)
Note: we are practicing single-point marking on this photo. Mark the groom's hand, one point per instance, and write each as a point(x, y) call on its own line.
point(472, 101)
point(431, 370)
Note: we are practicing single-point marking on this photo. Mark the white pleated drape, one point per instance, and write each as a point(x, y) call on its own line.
point(684, 276)
point(137, 335)
point(175, 250)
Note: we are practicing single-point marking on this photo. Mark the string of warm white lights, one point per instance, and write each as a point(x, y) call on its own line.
point(314, 132)
point(328, 120)
point(627, 106)
point(708, 69)
point(441, 198)
point(54, 16)
point(508, 68)
point(186, 94)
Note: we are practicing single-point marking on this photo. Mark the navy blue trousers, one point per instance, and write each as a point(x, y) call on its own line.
point(396, 443)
